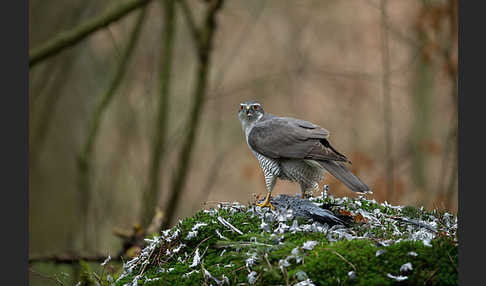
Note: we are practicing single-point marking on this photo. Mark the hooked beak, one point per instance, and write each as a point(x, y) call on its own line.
point(248, 112)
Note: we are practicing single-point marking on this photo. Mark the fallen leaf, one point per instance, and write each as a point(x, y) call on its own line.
point(346, 213)
point(360, 218)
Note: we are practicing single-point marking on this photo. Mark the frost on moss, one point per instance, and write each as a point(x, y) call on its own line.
point(234, 243)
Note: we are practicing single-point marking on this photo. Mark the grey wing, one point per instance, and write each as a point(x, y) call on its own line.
point(315, 129)
point(283, 137)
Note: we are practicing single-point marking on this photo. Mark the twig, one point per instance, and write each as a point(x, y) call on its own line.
point(70, 259)
point(105, 262)
point(204, 252)
point(54, 278)
point(220, 235)
point(412, 221)
point(233, 244)
point(340, 256)
point(72, 37)
point(199, 244)
point(285, 274)
point(219, 202)
point(228, 225)
point(258, 277)
point(430, 277)
point(452, 261)
point(148, 262)
point(203, 271)
point(236, 270)
point(98, 278)
point(268, 262)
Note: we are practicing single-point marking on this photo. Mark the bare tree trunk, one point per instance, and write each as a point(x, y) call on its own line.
point(204, 39)
point(452, 185)
point(151, 195)
point(421, 103)
point(452, 68)
point(84, 160)
point(387, 111)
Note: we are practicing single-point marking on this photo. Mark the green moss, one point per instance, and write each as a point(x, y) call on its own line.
point(411, 212)
point(328, 263)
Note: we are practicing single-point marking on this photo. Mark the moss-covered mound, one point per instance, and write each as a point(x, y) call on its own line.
point(245, 245)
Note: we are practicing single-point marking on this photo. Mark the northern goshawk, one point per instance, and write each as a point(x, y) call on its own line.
point(293, 149)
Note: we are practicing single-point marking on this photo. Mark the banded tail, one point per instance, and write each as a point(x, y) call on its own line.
point(343, 174)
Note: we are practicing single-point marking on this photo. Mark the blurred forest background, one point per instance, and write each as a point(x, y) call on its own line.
point(133, 106)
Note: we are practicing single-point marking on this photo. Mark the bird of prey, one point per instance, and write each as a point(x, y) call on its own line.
point(293, 149)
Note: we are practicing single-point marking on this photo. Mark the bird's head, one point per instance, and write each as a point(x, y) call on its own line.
point(250, 112)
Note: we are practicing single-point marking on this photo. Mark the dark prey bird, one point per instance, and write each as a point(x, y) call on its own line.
point(293, 149)
point(306, 209)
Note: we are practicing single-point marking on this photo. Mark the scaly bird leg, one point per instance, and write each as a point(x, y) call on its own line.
point(270, 181)
point(266, 202)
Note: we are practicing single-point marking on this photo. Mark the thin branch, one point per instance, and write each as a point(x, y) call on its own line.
point(38, 84)
point(151, 195)
point(115, 45)
point(204, 55)
point(221, 92)
point(238, 244)
point(53, 278)
point(51, 81)
point(191, 23)
point(396, 33)
point(454, 173)
point(452, 64)
point(238, 45)
point(72, 37)
point(212, 177)
point(228, 225)
point(84, 160)
point(54, 93)
point(342, 257)
point(71, 259)
point(199, 244)
point(449, 140)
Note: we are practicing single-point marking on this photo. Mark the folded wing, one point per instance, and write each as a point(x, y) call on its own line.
point(290, 138)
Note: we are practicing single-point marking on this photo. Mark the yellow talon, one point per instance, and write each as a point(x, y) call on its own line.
point(266, 202)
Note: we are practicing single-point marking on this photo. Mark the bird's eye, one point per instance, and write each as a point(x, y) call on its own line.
point(255, 107)
point(241, 107)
